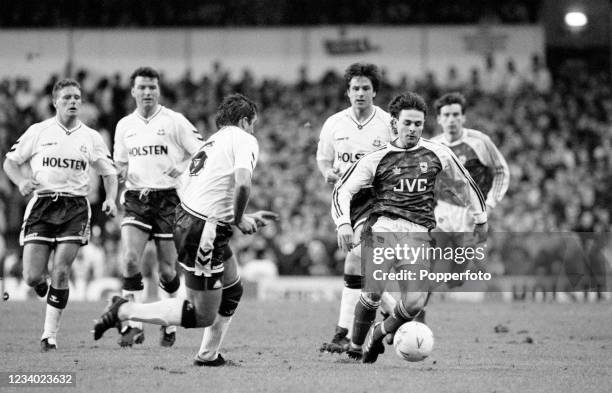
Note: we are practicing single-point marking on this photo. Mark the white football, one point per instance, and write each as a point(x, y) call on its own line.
point(413, 341)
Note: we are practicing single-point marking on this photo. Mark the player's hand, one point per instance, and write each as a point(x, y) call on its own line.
point(247, 225)
point(480, 232)
point(172, 172)
point(122, 173)
point(345, 237)
point(109, 208)
point(332, 175)
point(264, 217)
point(27, 186)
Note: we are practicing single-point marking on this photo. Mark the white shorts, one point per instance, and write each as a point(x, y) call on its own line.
point(403, 232)
point(453, 218)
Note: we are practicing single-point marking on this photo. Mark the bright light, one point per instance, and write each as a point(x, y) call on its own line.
point(576, 19)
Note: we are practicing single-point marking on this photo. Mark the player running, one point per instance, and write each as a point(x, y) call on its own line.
point(214, 195)
point(403, 176)
point(152, 148)
point(345, 137)
point(483, 161)
point(57, 153)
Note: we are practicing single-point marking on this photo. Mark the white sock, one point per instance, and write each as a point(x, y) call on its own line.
point(212, 338)
point(387, 303)
point(136, 297)
point(165, 312)
point(165, 295)
point(52, 322)
point(350, 297)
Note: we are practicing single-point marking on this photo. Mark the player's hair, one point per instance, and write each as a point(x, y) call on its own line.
point(60, 84)
point(408, 100)
point(450, 99)
point(366, 70)
point(233, 108)
point(146, 72)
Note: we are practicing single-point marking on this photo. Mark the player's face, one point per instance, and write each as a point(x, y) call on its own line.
point(409, 125)
point(146, 92)
point(361, 92)
point(451, 119)
point(68, 102)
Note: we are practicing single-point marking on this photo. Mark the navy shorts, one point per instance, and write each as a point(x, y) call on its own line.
point(203, 248)
point(56, 218)
point(151, 211)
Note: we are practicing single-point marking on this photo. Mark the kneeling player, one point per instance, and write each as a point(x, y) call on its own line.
point(403, 176)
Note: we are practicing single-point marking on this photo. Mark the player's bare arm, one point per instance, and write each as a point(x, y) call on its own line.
point(122, 169)
point(109, 206)
point(330, 173)
point(242, 190)
point(13, 170)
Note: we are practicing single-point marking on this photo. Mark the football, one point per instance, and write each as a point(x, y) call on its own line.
point(413, 341)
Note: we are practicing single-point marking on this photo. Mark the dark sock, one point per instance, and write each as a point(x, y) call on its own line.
point(395, 320)
point(352, 281)
point(57, 298)
point(365, 314)
point(133, 283)
point(41, 289)
point(230, 297)
point(170, 286)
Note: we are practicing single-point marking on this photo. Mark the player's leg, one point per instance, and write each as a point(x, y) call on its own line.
point(57, 298)
point(35, 259)
point(209, 355)
point(169, 282)
point(133, 242)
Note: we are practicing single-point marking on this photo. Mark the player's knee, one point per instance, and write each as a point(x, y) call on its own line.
point(32, 279)
point(230, 298)
point(61, 275)
point(370, 299)
point(167, 272)
point(413, 302)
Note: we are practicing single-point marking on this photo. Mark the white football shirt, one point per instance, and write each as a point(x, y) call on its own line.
point(207, 187)
point(153, 146)
point(344, 140)
point(60, 158)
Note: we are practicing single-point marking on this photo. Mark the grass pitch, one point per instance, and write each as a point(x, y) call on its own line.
point(274, 348)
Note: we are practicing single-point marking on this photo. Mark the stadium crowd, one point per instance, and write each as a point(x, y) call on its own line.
point(555, 136)
point(182, 13)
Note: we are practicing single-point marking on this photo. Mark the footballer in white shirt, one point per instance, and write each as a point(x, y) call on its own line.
point(214, 196)
point(345, 137)
point(57, 153)
point(153, 145)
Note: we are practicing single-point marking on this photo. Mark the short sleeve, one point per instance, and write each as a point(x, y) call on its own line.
point(246, 150)
point(188, 136)
point(325, 149)
point(24, 147)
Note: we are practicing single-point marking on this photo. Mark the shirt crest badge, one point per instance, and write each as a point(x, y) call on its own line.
point(423, 166)
point(397, 171)
point(161, 131)
point(83, 149)
point(377, 142)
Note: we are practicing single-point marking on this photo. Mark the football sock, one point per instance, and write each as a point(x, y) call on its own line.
point(213, 337)
point(41, 289)
point(365, 314)
point(170, 290)
point(56, 302)
point(164, 312)
point(387, 303)
point(214, 334)
point(399, 316)
point(350, 297)
point(133, 289)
